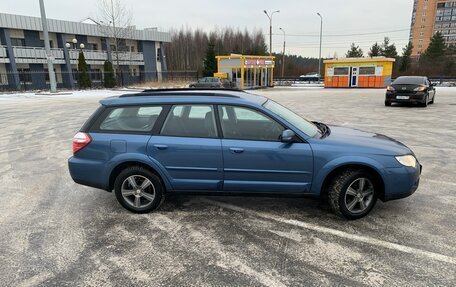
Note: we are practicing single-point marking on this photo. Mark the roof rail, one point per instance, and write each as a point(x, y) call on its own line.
point(191, 89)
point(180, 92)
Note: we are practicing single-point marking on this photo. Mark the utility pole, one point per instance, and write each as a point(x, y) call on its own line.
point(47, 46)
point(319, 57)
point(283, 53)
point(270, 29)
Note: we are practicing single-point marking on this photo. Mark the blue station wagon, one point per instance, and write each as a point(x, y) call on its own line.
point(146, 145)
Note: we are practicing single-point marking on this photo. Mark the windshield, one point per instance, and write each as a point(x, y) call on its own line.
point(300, 123)
point(409, 81)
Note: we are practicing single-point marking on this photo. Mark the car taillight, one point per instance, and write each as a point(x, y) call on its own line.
point(80, 140)
point(420, 89)
point(390, 88)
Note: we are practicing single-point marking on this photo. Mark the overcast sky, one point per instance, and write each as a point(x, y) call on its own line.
point(342, 19)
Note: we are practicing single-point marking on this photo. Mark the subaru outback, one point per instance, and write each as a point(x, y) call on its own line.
point(146, 145)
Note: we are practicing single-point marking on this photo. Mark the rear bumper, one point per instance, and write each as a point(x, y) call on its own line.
point(88, 172)
point(418, 97)
point(401, 182)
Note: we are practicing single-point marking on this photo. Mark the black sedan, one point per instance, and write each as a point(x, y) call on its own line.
point(410, 89)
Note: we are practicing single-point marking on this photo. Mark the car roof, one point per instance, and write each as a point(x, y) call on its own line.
point(412, 77)
point(190, 95)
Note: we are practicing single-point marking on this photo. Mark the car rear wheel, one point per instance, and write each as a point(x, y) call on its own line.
point(352, 193)
point(139, 190)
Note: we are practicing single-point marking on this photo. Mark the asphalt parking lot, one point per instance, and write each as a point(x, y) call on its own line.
point(54, 232)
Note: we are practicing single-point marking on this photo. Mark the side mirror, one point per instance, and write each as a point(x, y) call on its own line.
point(287, 136)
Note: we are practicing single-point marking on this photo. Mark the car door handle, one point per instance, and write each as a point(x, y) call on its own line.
point(236, 150)
point(160, 146)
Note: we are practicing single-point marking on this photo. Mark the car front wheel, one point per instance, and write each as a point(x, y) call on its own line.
point(139, 190)
point(352, 193)
point(426, 101)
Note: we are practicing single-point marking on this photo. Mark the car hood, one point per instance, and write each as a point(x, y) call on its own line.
point(365, 142)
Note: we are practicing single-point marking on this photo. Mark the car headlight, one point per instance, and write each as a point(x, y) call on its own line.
point(407, 160)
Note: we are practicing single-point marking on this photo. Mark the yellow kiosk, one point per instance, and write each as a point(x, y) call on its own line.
point(246, 71)
point(358, 72)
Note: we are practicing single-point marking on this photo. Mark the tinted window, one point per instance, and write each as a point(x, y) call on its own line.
point(341, 71)
point(367, 70)
point(409, 81)
point(247, 124)
point(190, 121)
point(134, 119)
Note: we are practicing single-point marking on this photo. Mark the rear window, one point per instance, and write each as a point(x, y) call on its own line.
point(409, 81)
point(130, 119)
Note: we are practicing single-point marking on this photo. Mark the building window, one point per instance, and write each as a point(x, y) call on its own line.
point(18, 42)
point(158, 54)
point(24, 75)
point(113, 48)
point(132, 49)
point(92, 46)
point(75, 74)
point(95, 75)
point(51, 43)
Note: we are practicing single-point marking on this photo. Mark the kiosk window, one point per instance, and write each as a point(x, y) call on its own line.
point(341, 71)
point(367, 70)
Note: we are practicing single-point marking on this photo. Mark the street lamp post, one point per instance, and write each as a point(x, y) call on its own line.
point(47, 46)
point(319, 56)
point(283, 53)
point(270, 29)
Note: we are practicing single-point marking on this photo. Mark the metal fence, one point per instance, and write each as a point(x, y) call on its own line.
point(25, 79)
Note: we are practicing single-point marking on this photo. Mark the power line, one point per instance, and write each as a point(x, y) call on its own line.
point(345, 35)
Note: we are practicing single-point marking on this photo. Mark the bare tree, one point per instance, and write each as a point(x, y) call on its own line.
point(115, 23)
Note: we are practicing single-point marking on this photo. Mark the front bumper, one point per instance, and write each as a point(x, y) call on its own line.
point(402, 182)
point(418, 97)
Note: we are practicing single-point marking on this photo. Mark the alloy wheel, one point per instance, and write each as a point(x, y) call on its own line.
point(359, 195)
point(138, 191)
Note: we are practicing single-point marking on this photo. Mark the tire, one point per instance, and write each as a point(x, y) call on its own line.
point(426, 100)
point(433, 98)
point(135, 198)
point(341, 199)
point(388, 104)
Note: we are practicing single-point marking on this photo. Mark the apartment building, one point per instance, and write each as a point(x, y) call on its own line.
point(430, 17)
point(23, 59)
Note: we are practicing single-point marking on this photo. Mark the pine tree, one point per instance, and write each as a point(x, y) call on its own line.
point(83, 72)
point(210, 63)
point(375, 50)
point(109, 80)
point(406, 53)
point(354, 52)
point(436, 49)
point(388, 50)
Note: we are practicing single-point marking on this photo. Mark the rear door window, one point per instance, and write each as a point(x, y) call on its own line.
point(130, 119)
point(190, 121)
